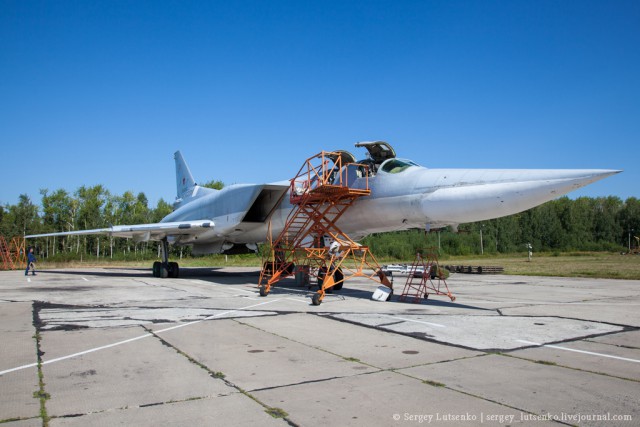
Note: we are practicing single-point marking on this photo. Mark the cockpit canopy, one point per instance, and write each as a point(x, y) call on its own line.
point(381, 157)
point(379, 151)
point(396, 165)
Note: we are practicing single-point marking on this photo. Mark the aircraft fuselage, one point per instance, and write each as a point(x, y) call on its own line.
point(401, 198)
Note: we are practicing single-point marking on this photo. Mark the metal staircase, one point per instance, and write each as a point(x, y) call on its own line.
point(13, 254)
point(320, 194)
point(423, 277)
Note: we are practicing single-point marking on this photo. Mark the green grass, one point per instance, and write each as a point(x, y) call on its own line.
point(575, 264)
point(546, 362)
point(204, 261)
point(572, 264)
point(41, 394)
point(277, 412)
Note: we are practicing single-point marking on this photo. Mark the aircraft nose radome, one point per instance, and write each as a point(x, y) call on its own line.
point(586, 177)
point(603, 173)
point(477, 195)
point(590, 175)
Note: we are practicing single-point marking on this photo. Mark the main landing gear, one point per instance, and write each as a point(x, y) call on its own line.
point(165, 268)
point(327, 282)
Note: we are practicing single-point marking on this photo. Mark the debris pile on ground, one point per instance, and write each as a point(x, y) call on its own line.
point(473, 269)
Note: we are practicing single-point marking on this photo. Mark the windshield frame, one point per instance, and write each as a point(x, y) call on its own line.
point(399, 166)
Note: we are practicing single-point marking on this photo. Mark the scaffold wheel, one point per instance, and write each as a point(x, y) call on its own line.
point(263, 291)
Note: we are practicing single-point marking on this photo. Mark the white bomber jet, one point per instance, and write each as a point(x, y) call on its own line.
point(404, 195)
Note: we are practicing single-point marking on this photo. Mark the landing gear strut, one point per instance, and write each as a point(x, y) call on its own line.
point(165, 268)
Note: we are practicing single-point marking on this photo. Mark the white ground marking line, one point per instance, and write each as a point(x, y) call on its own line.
point(246, 290)
point(557, 347)
point(437, 325)
point(85, 279)
point(46, 362)
point(231, 290)
point(75, 354)
point(18, 368)
point(297, 300)
point(215, 316)
point(605, 303)
point(290, 290)
point(250, 292)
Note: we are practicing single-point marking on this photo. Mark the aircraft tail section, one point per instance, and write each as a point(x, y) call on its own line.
point(184, 180)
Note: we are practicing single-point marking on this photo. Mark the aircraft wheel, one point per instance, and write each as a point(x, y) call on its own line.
point(316, 299)
point(267, 267)
point(322, 272)
point(174, 270)
point(263, 291)
point(291, 268)
point(338, 277)
point(164, 271)
point(156, 268)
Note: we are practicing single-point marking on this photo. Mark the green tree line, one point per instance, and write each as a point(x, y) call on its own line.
point(87, 208)
point(583, 224)
point(561, 225)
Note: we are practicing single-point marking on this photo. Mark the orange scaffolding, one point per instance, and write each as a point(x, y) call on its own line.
point(424, 277)
point(13, 254)
point(320, 194)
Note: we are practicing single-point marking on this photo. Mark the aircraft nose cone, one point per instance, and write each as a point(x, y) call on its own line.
point(584, 177)
point(461, 196)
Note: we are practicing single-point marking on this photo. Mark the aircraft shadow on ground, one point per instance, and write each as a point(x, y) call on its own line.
point(437, 303)
point(129, 272)
point(288, 285)
point(219, 276)
point(192, 272)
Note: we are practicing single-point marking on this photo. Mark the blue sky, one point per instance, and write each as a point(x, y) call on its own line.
point(105, 92)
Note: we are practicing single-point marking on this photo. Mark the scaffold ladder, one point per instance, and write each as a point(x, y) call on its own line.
point(320, 194)
point(13, 254)
point(424, 277)
point(7, 262)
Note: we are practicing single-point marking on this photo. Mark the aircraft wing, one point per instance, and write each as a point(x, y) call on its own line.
point(144, 232)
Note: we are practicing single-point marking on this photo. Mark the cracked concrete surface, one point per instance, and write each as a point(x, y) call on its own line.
point(121, 347)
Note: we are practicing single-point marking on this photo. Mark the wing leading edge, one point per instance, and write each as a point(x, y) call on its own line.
point(144, 232)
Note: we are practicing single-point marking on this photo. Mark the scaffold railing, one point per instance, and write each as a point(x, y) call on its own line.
point(320, 193)
point(425, 277)
point(12, 253)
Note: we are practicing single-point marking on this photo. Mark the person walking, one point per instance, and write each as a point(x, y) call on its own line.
point(31, 263)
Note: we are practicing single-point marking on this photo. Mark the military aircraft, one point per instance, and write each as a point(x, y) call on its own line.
point(404, 195)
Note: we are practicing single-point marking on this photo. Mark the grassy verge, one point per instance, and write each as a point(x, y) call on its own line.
point(40, 394)
point(575, 264)
point(204, 261)
point(578, 264)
